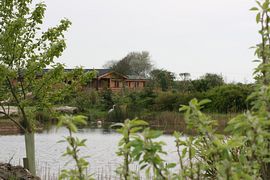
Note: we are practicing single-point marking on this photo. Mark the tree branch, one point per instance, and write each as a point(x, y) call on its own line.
point(14, 121)
point(27, 125)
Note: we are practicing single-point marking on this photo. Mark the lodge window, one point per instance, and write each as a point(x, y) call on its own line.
point(137, 84)
point(128, 84)
point(116, 84)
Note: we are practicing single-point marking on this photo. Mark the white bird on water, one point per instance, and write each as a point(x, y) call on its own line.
point(111, 110)
point(99, 123)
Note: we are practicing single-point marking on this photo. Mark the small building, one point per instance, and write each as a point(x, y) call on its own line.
point(109, 79)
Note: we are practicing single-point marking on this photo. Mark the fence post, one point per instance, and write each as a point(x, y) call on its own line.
point(30, 152)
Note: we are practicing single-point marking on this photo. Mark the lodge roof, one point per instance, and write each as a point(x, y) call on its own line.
point(136, 77)
point(101, 72)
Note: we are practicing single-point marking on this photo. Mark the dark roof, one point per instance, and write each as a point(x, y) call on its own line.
point(100, 72)
point(135, 77)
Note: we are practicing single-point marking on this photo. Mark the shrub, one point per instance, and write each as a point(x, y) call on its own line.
point(106, 99)
point(166, 101)
point(229, 98)
point(85, 100)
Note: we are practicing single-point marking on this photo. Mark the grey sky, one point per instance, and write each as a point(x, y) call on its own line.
point(196, 36)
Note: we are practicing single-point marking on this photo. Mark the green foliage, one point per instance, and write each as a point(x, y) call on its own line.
point(148, 152)
point(162, 79)
point(85, 100)
point(94, 114)
point(166, 101)
point(243, 153)
point(135, 63)
point(107, 99)
point(117, 115)
point(230, 98)
point(73, 148)
point(207, 82)
point(25, 51)
point(129, 130)
point(143, 149)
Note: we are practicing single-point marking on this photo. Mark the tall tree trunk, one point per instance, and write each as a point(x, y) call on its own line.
point(30, 151)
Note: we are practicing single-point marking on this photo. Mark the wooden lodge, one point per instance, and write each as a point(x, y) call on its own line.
point(108, 79)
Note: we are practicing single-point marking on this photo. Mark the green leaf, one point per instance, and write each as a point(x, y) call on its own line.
point(205, 101)
point(117, 125)
point(80, 120)
point(136, 129)
point(259, 3)
point(143, 166)
point(139, 123)
point(258, 18)
point(61, 141)
point(72, 127)
point(177, 135)
point(183, 108)
point(170, 165)
point(265, 5)
point(254, 9)
point(153, 134)
point(184, 152)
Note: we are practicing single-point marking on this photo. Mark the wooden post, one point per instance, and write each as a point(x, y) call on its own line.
point(97, 84)
point(110, 83)
point(30, 152)
point(25, 163)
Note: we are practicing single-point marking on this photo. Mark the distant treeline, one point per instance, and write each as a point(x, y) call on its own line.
point(164, 92)
point(162, 95)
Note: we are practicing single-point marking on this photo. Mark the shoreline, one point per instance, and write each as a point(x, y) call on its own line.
point(9, 128)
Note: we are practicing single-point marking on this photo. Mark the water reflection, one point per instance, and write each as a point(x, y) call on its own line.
point(101, 146)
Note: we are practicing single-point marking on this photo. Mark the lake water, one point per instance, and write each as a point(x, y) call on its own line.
point(101, 147)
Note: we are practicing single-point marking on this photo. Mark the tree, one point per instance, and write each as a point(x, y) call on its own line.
point(229, 98)
point(135, 63)
point(184, 85)
point(208, 81)
point(162, 79)
point(185, 76)
point(24, 53)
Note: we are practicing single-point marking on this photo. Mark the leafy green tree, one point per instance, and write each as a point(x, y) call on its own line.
point(166, 101)
point(229, 98)
point(184, 85)
point(163, 79)
point(24, 53)
point(135, 63)
point(107, 99)
point(185, 76)
point(207, 82)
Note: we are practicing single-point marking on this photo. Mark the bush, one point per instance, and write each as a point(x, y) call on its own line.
point(95, 114)
point(117, 115)
point(166, 101)
point(228, 98)
point(107, 101)
point(85, 100)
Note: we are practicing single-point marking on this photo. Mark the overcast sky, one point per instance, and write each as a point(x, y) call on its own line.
point(197, 36)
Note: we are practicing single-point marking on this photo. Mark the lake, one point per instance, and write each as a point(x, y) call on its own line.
point(101, 147)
